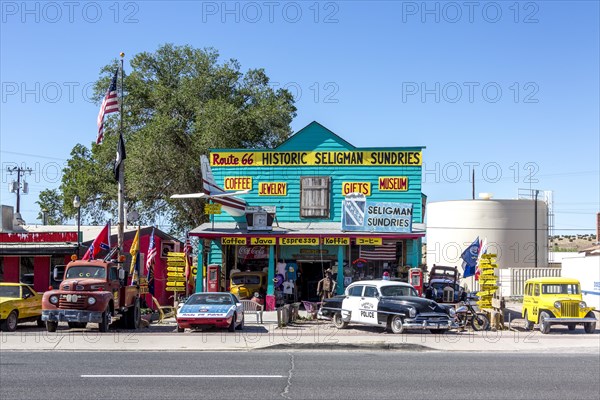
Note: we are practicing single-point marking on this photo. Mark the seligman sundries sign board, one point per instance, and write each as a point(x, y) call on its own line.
point(358, 214)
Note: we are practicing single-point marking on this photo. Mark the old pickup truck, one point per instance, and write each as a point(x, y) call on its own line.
point(92, 291)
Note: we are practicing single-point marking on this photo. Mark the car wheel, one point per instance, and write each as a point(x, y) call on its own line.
point(396, 325)
point(480, 322)
point(571, 327)
point(240, 327)
point(40, 323)
point(103, 325)
point(133, 316)
point(180, 329)
point(77, 325)
point(10, 323)
point(544, 324)
point(589, 327)
point(528, 323)
point(232, 325)
point(51, 326)
point(338, 322)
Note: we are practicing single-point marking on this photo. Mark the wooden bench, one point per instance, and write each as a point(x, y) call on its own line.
point(250, 307)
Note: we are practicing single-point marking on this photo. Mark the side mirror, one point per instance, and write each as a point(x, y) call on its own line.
point(55, 274)
point(121, 273)
point(26, 295)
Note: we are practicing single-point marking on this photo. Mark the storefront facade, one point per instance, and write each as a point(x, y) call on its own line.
point(29, 254)
point(314, 203)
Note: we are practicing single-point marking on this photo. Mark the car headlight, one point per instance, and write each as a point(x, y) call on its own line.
point(412, 312)
point(557, 304)
point(582, 304)
point(53, 299)
point(91, 301)
point(452, 312)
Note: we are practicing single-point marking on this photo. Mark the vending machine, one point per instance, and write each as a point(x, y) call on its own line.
point(213, 278)
point(415, 278)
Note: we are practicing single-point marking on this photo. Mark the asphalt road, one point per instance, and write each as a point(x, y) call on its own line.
point(297, 375)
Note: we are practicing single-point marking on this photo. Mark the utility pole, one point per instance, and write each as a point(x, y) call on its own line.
point(17, 188)
point(535, 228)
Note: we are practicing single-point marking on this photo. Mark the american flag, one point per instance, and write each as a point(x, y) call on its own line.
point(386, 252)
point(110, 104)
point(151, 256)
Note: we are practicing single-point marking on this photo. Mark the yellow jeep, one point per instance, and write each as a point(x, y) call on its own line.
point(245, 284)
point(556, 301)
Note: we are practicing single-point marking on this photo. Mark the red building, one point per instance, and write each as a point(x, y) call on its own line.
point(29, 253)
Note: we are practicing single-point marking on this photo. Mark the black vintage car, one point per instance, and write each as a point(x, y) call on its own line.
point(394, 305)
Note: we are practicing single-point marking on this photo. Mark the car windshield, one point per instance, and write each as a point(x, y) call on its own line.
point(210, 299)
point(560, 288)
point(246, 279)
point(10, 291)
point(398, 291)
point(86, 271)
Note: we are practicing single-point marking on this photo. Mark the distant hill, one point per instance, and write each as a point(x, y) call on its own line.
point(571, 242)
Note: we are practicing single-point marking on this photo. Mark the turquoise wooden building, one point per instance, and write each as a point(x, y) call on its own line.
point(315, 202)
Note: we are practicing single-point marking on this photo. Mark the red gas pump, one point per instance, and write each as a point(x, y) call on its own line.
point(213, 278)
point(415, 277)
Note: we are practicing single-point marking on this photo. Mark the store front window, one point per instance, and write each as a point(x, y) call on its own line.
point(314, 196)
point(26, 270)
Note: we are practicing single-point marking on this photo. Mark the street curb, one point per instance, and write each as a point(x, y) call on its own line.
point(381, 346)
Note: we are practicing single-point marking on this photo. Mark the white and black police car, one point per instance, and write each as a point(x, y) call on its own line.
point(391, 304)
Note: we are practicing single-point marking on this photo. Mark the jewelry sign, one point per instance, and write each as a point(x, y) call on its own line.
point(361, 215)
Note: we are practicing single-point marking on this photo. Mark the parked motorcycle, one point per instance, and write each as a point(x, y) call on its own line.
point(466, 315)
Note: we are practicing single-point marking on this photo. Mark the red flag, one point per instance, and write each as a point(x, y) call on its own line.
point(102, 242)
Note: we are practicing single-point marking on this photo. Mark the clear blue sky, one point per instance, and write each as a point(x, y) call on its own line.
point(511, 89)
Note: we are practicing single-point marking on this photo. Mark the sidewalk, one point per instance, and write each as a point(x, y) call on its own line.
point(304, 334)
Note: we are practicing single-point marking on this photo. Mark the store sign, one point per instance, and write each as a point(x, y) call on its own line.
point(370, 241)
point(364, 216)
point(253, 252)
point(214, 208)
point(237, 183)
point(302, 158)
point(272, 188)
point(393, 183)
point(233, 241)
point(299, 241)
point(339, 241)
point(175, 271)
point(356, 187)
point(268, 241)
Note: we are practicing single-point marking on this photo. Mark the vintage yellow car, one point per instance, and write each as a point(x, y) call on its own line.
point(245, 284)
point(19, 303)
point(556, 301)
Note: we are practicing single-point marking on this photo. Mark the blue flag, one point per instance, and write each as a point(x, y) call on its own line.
point(469, 257)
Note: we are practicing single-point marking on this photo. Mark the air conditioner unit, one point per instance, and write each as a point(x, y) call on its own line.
point(168, 246)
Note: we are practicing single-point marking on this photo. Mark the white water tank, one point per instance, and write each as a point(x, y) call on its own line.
point(509, 226)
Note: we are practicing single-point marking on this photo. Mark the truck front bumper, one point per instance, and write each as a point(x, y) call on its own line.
point(71, 315)
point(557, 321)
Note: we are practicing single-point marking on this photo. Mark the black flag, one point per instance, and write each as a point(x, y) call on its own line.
point(120, 156)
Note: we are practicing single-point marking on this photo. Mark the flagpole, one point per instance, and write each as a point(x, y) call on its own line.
point(121, 184)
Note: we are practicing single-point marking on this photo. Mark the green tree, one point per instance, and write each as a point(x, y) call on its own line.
point(179, 102)
point(50, 201)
